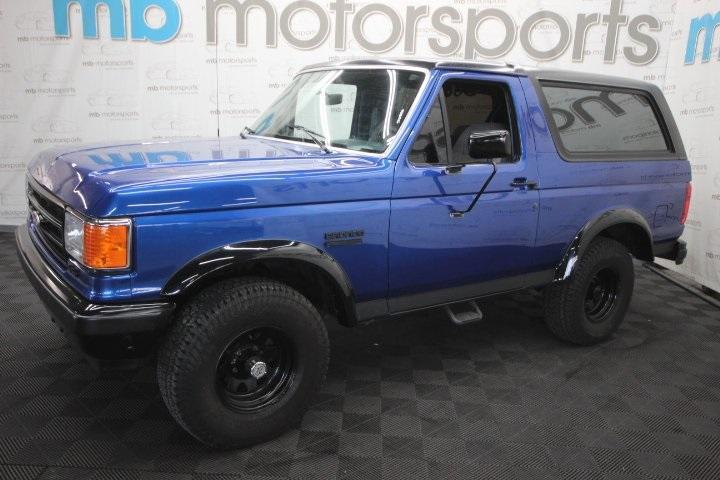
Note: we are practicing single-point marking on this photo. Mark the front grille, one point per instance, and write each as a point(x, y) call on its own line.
point(48, 216)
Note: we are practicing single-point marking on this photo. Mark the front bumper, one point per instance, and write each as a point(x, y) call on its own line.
point(106, 331)
point(675, 250)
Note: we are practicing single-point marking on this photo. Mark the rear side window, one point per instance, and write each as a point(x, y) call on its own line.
point(605, 120)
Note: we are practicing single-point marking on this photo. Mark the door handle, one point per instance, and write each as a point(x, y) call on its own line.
point(453, 169)
point(523, 182)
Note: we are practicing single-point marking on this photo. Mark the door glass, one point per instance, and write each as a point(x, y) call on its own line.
point(473, 106)
point(430, 146)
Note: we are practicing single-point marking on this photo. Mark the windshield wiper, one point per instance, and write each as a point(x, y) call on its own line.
point(313, 135)
point(246, 130)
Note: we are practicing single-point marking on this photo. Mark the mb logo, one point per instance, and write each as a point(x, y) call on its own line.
point(707, 24)
point(140, 29)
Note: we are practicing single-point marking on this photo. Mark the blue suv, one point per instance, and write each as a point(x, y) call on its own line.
point(367, 189)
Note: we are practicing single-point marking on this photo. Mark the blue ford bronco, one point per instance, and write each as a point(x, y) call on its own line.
point(367, 189)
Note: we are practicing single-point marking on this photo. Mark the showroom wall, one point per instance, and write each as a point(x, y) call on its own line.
point(71, 73)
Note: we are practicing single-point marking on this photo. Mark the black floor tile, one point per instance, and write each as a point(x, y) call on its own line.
point(416, 397)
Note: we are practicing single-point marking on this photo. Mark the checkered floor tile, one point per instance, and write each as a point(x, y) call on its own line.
point(414, 397)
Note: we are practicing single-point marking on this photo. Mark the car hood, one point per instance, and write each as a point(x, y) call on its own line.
point(205, 174)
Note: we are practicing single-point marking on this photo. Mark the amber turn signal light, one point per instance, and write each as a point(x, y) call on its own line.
point(106, 245)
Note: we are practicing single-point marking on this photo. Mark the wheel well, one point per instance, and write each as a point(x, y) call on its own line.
point(308, 279)
point(633, 237)
point(311, 281)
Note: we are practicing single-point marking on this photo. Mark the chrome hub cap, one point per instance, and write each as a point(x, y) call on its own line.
point(258, 369)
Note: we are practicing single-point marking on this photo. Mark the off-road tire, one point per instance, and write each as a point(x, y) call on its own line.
point(205, 326)
point(565, 310)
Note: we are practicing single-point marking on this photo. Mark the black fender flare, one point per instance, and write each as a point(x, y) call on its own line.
point(224, 261)
point(590, 230)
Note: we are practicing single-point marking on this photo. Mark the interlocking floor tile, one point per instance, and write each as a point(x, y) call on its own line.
point(415, 397)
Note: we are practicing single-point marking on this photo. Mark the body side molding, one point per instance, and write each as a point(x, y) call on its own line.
point(591, 229)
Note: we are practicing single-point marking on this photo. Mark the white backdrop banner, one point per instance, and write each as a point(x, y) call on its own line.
point(78, 71)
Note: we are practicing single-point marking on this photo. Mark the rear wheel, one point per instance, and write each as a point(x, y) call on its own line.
point(242, 362)
point(590, 306)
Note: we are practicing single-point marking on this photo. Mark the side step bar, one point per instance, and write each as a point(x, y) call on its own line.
point(464, 312)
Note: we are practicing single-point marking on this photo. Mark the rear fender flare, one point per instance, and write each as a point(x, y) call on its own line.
point(590, 230)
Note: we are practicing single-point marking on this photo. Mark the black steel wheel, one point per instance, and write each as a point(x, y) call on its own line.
point(601, 295)
point(255, 369)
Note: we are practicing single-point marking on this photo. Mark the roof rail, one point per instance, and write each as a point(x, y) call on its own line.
point(460, 64)
point(489, 66)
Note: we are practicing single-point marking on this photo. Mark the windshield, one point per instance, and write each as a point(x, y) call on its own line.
point(355, 109)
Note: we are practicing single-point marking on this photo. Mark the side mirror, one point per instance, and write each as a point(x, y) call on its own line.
point(489, 144)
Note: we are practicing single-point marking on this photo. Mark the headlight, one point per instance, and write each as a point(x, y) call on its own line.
point(101, 245)
point(74, 233)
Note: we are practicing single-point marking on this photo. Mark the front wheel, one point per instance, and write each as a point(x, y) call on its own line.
point(242, 362)
point(590, 306)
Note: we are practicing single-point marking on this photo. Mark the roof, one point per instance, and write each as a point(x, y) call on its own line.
point(489, 67)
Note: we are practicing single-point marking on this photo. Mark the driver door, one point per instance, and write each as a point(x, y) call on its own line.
point(435, 255)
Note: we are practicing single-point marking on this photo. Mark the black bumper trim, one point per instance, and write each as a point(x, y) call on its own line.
point(675, 250)
point(77, 316)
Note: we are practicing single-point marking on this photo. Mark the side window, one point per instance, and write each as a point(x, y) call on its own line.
point(430, 146)
point(474, 106)
point(604, 120)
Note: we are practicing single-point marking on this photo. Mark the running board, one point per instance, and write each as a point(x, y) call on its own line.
point(464, 312)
